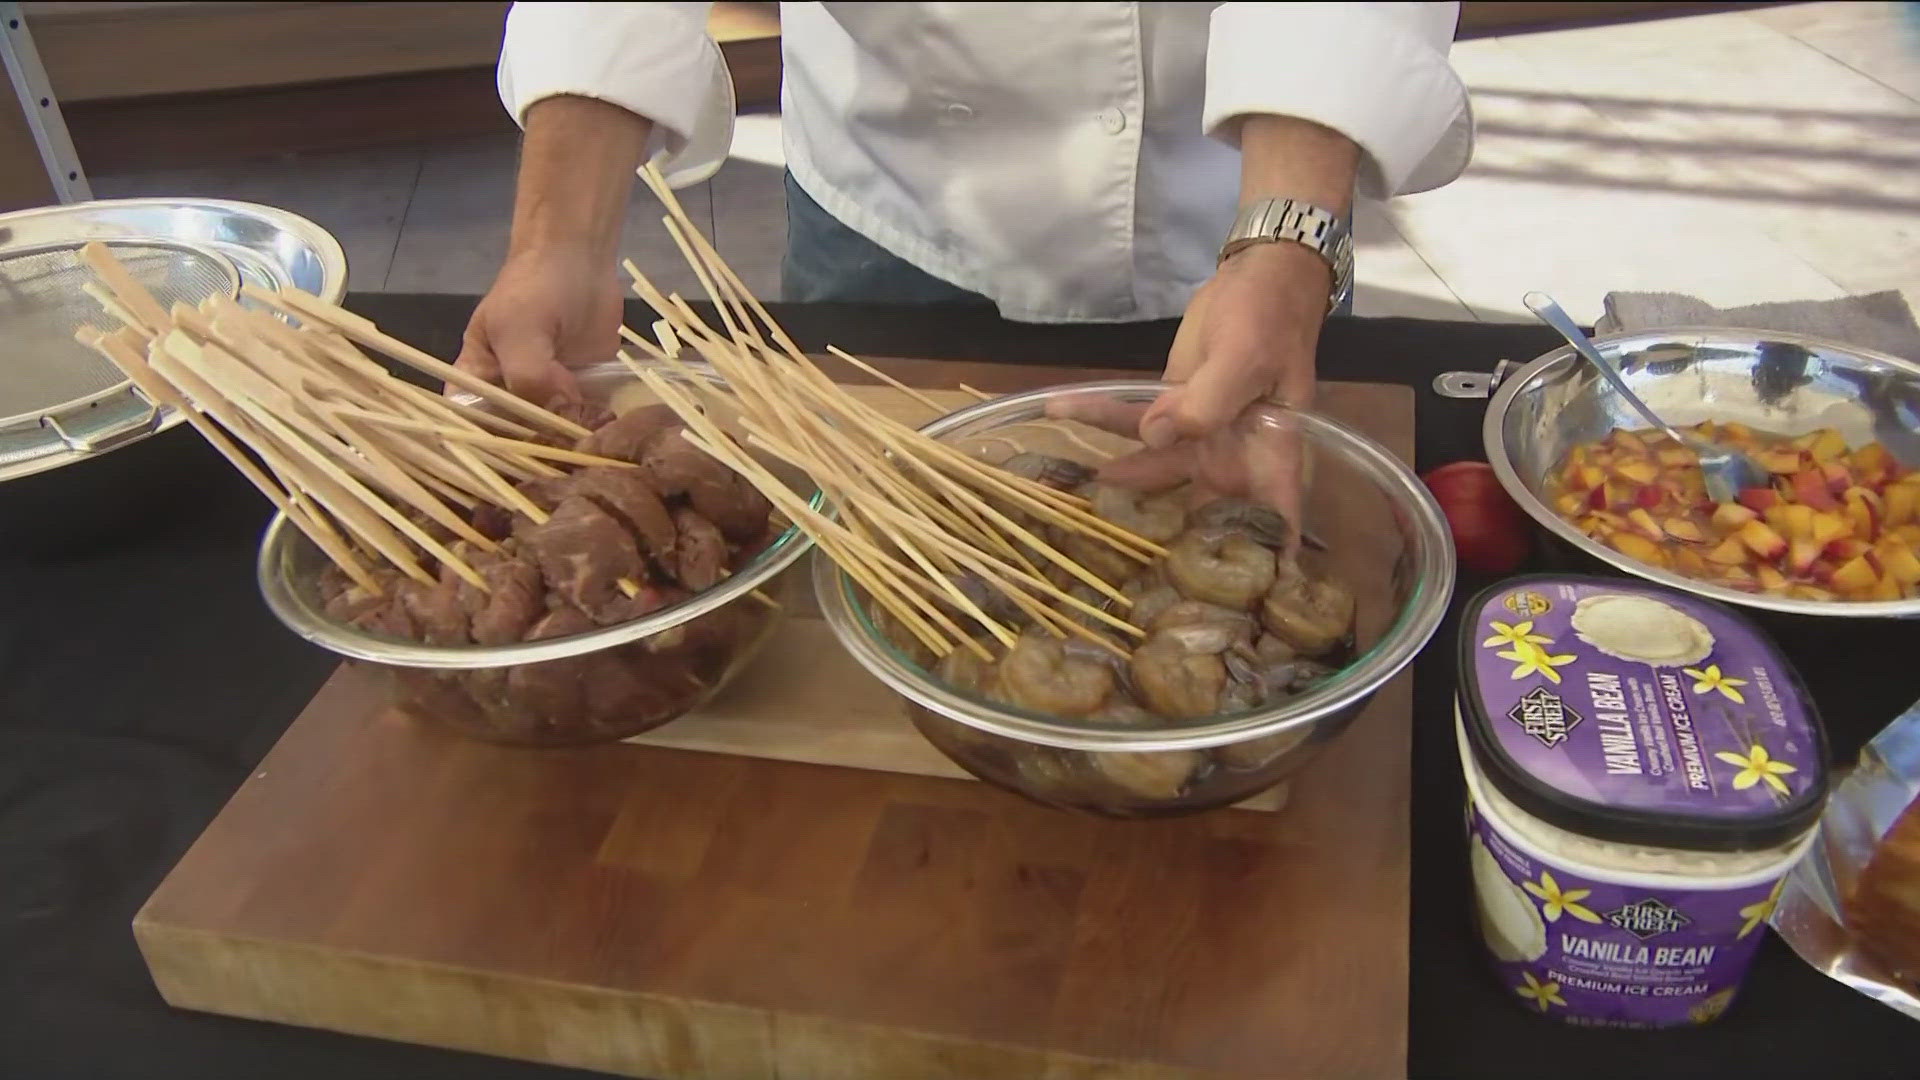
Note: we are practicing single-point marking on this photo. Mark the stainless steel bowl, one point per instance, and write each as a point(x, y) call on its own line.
point(1387, 540)
point(430, 680)
point(1778, 383)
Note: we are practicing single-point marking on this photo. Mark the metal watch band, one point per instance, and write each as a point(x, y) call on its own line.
point(1315, 227)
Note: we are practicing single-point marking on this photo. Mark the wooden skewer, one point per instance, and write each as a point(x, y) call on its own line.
point(888, 379)
point(443, 431)
point(345, 509)
point(977, 395)
point(134, 366)
point(364, 332)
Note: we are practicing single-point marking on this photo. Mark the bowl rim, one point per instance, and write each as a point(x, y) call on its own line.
point(311, 623)
point(1413, 627)
point(1537, 372)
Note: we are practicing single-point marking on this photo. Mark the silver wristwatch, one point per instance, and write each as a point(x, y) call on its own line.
point(1322, 230)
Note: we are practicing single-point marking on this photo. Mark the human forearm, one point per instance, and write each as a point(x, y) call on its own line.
point(576, 172)
point(1283, 157)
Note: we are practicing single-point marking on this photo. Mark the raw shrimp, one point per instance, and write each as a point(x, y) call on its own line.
point(1221, 565)
point(1040, 673)
point(1174, 680)
point(1158, 775)
point(1150, 598)
point(963, 670)
point(1055, 472)
point(1263, 523)
point(1311, 614)
point(1159, 516)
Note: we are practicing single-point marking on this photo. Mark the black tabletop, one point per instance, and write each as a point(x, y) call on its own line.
point(141, 678)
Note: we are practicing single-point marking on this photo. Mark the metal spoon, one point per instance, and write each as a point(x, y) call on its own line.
point(1727, 472)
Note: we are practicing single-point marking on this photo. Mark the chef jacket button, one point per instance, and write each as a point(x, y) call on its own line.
point(958, 111)
point(1113, 120)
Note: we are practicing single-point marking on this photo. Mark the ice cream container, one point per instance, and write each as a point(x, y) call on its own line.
point(1643, 769)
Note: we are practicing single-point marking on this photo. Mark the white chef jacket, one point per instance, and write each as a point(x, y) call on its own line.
point(1070, 161)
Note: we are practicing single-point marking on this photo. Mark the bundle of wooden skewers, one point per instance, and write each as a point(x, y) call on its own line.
point(366, 464)
point(913, 520)
point(361, 461)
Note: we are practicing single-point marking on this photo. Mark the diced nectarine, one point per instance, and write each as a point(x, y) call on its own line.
point(1732, 430)
point(1838, 477)
point(1638, 470)
point(1910, 532)
point(1768, 578)
point(1855, 576)
point(1846, 548)
point(1827, 445)
point(1779, 461)
point(1676, 457)
point(1863, 510)
point(1885, 589)
point(1690, 562)
point(1898, 561)
point(1738, 578)
point(1682, 529)
point(1902, 503)
point(1808, 592)
point(1595, 527)
point(1638, 548)
point(1590, 477)
point(1796, 521)
point(1810, 490)
point(1730, 516)
point(1830, 526)
point(1643, 523)
point(1762, 540)
point(1758, 499)
point(1650, 496)
point(1569, 504)
point(1872, 458)
point(1628, 441)
point(1801, 555)
point(1730, 552)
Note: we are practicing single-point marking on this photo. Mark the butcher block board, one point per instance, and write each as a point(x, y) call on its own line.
point(669, 913)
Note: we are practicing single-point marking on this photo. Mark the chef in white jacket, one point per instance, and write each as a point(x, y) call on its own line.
point(1067, 161)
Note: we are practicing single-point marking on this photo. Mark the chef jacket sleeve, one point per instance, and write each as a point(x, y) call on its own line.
point(653, 59)
point(1375, 72)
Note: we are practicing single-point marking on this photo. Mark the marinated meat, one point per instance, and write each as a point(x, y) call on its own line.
point(700, 555)
point(435, 610)
point(626, 495)
point(627, 437)
point(584, 554)
point(513, 600)
point(678, 468)
point(492, 522)
point(552, 691)
point(585, 413)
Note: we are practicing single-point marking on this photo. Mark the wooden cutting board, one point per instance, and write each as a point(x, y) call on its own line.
point(668, 913)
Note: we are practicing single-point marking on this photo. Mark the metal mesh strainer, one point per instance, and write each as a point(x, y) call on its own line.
point(43, 370)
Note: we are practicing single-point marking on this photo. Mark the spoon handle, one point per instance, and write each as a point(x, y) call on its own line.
point(1553, 315)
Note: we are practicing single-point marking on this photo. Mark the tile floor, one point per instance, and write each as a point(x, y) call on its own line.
point(1745, 156)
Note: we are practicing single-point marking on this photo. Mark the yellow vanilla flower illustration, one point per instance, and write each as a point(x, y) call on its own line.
point(1519, 635)
point(1528, 658)
point(1711, 679)
point(1556, 900)
point(1755, 766)
point(1757, 913)
point(1541, 994)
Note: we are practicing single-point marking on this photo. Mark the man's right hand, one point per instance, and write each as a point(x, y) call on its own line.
point(550, 309)
point(556, 303)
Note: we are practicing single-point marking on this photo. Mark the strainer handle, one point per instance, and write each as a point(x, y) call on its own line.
point(107, 423)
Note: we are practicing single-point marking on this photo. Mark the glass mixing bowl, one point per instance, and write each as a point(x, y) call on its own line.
point(1377, 528)
point(599, 686)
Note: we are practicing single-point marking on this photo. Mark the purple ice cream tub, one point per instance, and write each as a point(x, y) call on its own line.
point(1643, 770)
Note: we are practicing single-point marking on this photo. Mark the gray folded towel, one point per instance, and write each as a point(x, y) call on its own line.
point(1880, 321)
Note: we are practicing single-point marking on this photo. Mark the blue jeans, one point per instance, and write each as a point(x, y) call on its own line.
point(827, 261)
